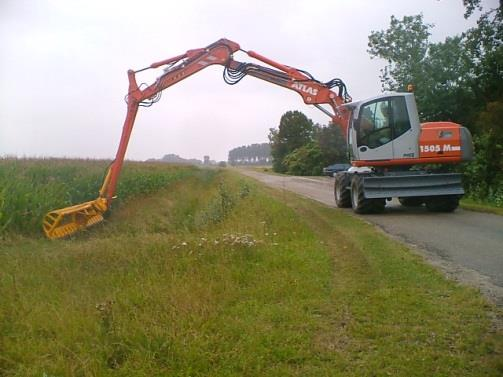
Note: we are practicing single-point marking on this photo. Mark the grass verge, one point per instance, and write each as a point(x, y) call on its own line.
point(216, 276)
point(473, 205)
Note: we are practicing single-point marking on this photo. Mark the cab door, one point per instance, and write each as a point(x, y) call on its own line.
point(406, 127)
point(374, 131)
point(387, 128)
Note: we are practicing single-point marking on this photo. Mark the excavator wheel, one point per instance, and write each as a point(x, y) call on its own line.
point(341, 191)
point(361, 204)
point(442, 203)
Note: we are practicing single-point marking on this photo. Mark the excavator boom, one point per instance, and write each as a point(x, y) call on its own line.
point(67, 221)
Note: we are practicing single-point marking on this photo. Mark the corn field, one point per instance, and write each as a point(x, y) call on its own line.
point(29, 188)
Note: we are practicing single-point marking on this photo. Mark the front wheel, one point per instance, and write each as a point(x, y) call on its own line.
point(359, 203)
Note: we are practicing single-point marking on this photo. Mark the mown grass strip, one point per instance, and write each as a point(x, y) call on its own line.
point(396, 313)
point(217, 276)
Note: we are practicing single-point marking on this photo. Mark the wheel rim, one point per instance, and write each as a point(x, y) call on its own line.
point(354, 196)
point(337, 193)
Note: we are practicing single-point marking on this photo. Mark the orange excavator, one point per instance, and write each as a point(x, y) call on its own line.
point(384, 136)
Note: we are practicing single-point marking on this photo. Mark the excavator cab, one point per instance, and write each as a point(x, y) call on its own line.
point(385, 128)
point(386, 131)
point(385, 140)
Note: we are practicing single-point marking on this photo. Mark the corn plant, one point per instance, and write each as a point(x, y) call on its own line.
point(29, 188)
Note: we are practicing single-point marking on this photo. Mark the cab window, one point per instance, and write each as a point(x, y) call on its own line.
point(382, 121)
point(401, 122)
point(374, 126)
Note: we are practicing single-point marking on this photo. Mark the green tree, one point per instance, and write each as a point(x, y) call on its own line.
point(484, 175)
point(294, 131)
point(484, 44)
point(306, 160)
point(440, 72)
point(454, 79)
point(444, 91)
point(470, 6)
point(404, 46)
point(331, 143)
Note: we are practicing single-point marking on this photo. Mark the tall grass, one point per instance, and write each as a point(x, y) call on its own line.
point(29, 188)
point(216, 276)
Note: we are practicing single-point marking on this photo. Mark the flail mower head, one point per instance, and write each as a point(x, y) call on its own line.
point(67, 221)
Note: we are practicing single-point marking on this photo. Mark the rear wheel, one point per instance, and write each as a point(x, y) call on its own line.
point(411, 202)
point(358, 201)
point(342, 192)
point(442, 203)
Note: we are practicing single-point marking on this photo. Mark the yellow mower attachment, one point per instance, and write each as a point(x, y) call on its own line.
point(67, 221)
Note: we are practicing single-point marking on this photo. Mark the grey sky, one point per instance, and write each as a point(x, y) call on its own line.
point(63, 69)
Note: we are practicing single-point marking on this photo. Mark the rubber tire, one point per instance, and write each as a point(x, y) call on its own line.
point(359, 203)
point(442, 203)
point(342, 193)
point(411, 202)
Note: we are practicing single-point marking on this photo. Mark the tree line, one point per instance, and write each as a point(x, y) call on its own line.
point(254, 154)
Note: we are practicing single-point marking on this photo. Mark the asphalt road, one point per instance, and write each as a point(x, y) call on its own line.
point(466, 245)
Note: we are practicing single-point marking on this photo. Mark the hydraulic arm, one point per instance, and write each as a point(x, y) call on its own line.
point(63, 222)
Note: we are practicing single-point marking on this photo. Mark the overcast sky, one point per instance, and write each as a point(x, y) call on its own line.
point(63, 69)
